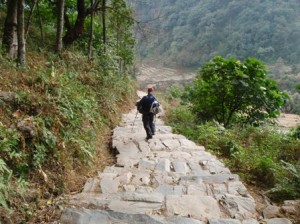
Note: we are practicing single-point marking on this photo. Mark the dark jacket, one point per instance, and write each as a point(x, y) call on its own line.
point(145, 104)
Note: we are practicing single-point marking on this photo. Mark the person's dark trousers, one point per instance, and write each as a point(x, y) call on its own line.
point(149, 124)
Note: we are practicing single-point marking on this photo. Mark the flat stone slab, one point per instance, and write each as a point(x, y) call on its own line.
point(124, 178)
point(163, 165)
point(109, 185)
point(171, 144)
point(163, 178)
point(239, 207)
point(198, 189)
point(182, 220)
point(186, 143)
point(194, 206)
point(113, 169)
point(180, 167)
point(237, 188)
point(92, 185)
point(85, 216)
point(144, 147)
point(181, 155)
point(250, 221)
point(165, 189)
point(147, 164)
point(278, 221)
point(133, 207)
point(156, 145)
point(144, 197)
point(211, 179)
point(95, 200)
point(164, 129)
point(141, 177)
point(223, 221)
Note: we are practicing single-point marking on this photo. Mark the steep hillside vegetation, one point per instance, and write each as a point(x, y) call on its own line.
point(64, 83)
point(55, 120)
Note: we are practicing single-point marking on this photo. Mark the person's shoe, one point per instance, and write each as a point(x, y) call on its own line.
point(148, 137)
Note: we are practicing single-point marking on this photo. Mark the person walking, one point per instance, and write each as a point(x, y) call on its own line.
point(147, 116)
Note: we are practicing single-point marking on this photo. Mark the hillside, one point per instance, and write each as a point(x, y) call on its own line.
point(64, 83)
point(186, 35)
point(189, 33)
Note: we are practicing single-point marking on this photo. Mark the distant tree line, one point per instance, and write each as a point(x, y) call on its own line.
point(190, 33)
point(187, 34)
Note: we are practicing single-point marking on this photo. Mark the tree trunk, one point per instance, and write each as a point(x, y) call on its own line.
point(91, 33)
point(104, 25)
point(60, 26)
point(10, 41)
point(40, 21)
point(30, 17)
point(21, 36)
point(73, 33)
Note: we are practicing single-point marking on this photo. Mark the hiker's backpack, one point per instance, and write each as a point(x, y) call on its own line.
point(155, 107)
point(139, 107)
point(148, 104)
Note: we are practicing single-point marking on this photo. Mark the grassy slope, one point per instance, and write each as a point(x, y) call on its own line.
point(71, 107)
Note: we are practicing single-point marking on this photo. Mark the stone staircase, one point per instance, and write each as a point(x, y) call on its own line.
point(165, 180)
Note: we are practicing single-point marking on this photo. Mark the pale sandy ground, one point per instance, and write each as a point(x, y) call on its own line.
point(289, 120)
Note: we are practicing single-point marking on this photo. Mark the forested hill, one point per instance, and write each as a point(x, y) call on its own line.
point(191, 32)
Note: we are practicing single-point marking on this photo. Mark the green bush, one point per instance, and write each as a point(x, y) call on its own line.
point(9, 189)
point(259, 154)
point(288, 182)
point(230, 91)
point(182, 121)
point(295, 132)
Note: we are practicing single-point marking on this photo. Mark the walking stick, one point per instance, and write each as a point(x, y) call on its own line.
point(137, 112)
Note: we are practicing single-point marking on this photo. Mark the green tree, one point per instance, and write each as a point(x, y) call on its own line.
point(229, 91)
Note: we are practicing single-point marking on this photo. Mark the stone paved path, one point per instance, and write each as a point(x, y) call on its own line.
point(165, 180)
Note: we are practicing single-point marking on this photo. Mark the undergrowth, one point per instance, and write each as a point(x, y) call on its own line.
point(56, 121)
point(263, 156)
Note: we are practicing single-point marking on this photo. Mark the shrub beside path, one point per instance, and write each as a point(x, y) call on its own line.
point(168, 179)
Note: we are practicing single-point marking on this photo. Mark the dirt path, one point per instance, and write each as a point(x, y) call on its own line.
point(288, 121)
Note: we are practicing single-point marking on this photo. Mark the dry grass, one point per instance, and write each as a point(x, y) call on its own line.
point(49, 184)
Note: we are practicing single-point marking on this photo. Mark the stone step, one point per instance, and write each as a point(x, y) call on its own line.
point(167, 179)
point(88, 216)
point(210, 179)
point(198, 207)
